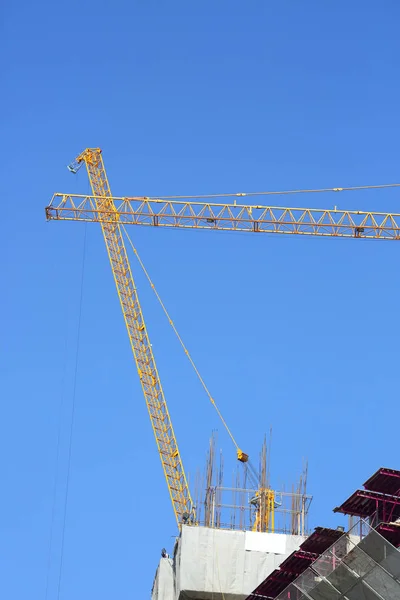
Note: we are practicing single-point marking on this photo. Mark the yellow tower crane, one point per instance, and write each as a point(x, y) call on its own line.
point(189, 212)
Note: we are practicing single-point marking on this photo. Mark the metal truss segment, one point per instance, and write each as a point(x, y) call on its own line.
point(226, 217)
point(101, 207)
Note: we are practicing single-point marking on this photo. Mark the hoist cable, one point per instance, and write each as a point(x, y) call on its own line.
point(72, 420)
point(57, 464)
point(196, 370)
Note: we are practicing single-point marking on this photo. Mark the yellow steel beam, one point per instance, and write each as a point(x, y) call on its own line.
point(226, 217)
point(102, 202)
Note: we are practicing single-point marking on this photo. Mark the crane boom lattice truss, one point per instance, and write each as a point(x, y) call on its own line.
point(226, 217)
point(138, 336)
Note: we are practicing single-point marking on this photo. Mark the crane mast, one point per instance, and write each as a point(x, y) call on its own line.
point(138, 335)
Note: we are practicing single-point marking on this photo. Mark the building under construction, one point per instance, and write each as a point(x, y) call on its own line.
point(211, 562)
point(243, 539)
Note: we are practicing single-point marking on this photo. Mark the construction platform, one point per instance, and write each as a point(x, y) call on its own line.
point(358, 566)
point(363, 563)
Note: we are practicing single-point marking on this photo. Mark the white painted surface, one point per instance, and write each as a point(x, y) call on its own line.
point(275, 543)
point(211, 564)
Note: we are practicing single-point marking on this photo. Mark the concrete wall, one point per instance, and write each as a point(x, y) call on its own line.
point(163, 586)
point(212, 564)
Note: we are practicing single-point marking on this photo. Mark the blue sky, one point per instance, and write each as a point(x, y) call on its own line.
point(299, 334)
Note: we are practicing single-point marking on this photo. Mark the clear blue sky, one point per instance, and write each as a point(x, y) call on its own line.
point(300, 334)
